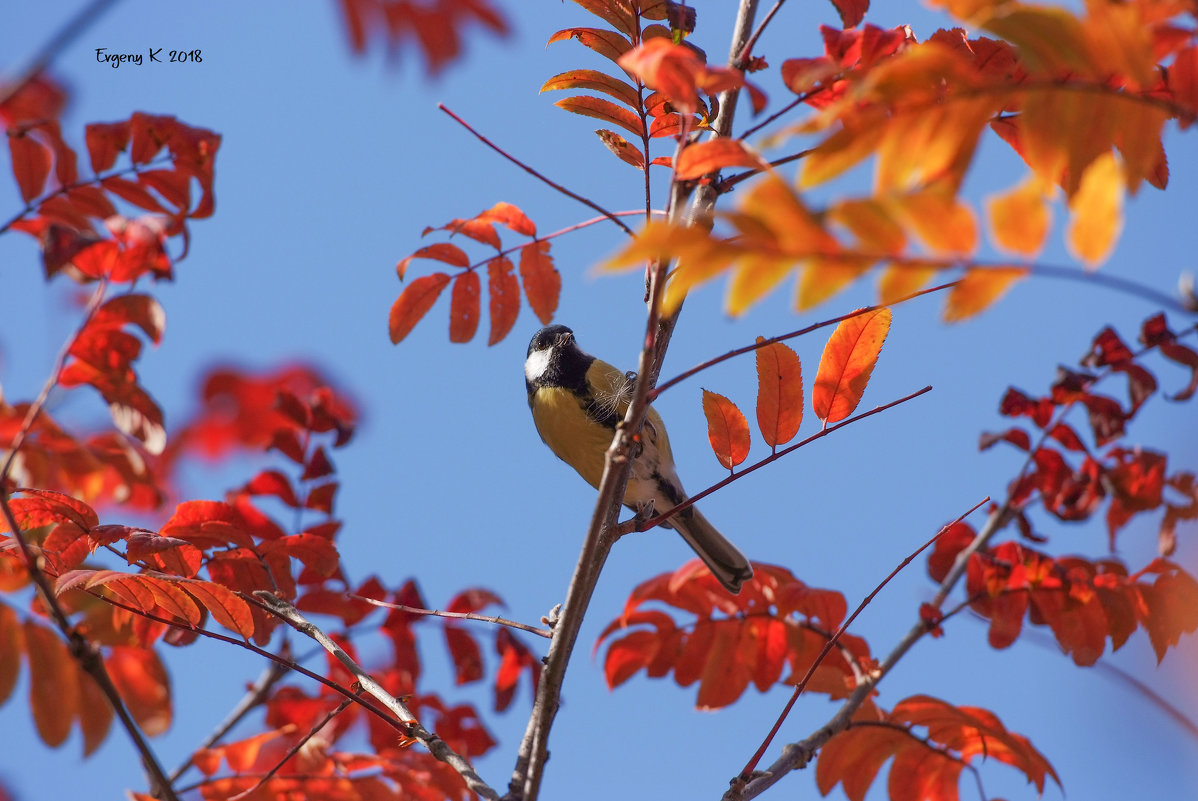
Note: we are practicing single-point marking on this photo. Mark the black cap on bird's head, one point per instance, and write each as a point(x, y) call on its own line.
point(550, 336)
point(555, 360)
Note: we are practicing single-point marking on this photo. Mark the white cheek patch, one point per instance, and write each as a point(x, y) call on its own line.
point(535, 365)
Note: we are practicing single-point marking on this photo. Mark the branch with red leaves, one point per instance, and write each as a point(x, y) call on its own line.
point(436, 746)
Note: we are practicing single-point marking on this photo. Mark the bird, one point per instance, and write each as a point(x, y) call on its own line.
point(577, 401)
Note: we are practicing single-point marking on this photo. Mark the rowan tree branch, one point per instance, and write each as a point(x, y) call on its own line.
point(796, 756)
point(63, 37)
point(82, 650)
point(499, 621)
point(533, 752)
point(435, 745)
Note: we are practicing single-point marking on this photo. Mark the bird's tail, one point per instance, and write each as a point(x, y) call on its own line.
point(723, 559)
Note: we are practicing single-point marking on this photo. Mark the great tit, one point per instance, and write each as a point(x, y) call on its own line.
point(577, 401)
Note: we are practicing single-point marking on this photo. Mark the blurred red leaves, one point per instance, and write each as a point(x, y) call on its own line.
point(726, 642)
point(435, 26)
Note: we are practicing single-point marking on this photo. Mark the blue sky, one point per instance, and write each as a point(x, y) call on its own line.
point(331, 166)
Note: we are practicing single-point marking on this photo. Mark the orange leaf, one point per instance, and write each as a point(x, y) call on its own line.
point(603, 110)
point(712, 155)
point(596, 81)
point(727, 429)
point(608, 44)
point(978, 289)
point(31, 162)
point(624, 150)
point(464, 307)
point(847, 363)
point(141, 679)
point(1097, 211)
point(95, 713)
point(510, 217)
point(542, 281)
point(11, 648)
point(413, 303)
point(503, 298)
point(441, 251)
point(1020, 218)
point(779, 393)
point(851, 11)
point(53, 684)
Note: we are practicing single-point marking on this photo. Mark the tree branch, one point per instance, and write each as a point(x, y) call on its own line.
point(499, 621)
point(435, 745)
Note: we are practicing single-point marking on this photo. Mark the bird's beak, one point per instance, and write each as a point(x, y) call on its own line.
point(565, 339)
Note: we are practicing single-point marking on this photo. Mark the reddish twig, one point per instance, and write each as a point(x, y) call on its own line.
point(539, 176)
point(332, 713)
point(746, 52)
point(776, 455)
point(435, 745)
point(415, 610)
point(751, 765)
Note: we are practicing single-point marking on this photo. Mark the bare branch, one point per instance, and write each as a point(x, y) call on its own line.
point(499, 621)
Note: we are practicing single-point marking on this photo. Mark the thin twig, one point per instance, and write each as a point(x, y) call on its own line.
point(57, 43)
point(539, 176)
point(332, 713)
point(415, 610)
point(746, 51)
point(254, 697)
point(751, 765)
point(657, 520)
point(796, 756)
point(290, 664)
point(83, 651)
point(662, 387)
point(435, 745)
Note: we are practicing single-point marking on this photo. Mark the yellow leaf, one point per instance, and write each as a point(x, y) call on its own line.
point(945, 224)
point(823, 278)
point(979, 288)
point(850, 145)
point(1048, 39)
point(899, 280)
point(1120, 42)
point(871, 223)
point(1097, 210)
point(1020, 218)
point(755, 276)
point(700, 257)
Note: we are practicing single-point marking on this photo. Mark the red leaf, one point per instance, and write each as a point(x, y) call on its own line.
point(141, 679)
point(727, 429)
point(851, 11)
point(504, 298)
point(31, 161)
point(542, 281)
point(464, 307)
point(466, 655)
point(441, 251)
point(273, 482)
point(53, 684)
point(510, 217)
point(105, 141)
point(415, 301)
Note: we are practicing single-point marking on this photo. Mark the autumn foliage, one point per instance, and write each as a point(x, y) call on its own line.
point(109, 571)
